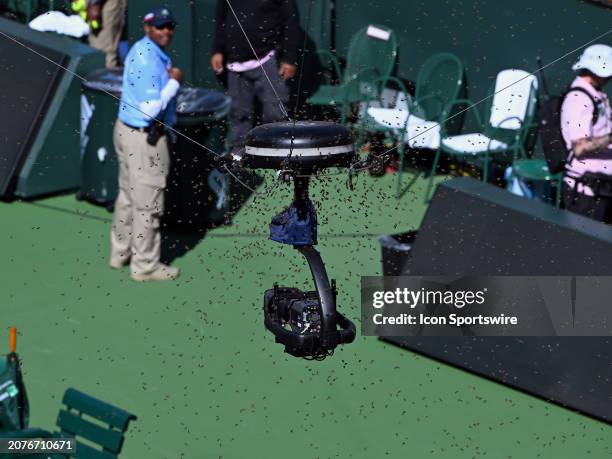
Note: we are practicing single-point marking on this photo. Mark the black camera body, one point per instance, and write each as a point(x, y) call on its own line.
point(296, 320)
point(301, 311)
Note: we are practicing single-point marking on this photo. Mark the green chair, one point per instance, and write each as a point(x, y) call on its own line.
point(371, 57)
point(107, 430)
point(536, 170)
point(73, 423)
point(417, 121)
point(510, 117)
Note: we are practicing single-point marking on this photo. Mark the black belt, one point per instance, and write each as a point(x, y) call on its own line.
point(139, 129)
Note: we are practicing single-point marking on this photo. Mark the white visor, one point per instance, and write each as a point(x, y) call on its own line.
point(597, 59)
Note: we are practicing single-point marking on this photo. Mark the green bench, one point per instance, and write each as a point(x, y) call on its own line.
point(107, 431)
point(110, 436)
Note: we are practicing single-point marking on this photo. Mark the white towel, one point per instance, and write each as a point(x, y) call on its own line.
point(56, 21)
point(394, 118)
point(513, 98)
point(420, 133)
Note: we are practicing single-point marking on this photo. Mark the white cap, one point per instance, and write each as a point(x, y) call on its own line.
point(597, 59)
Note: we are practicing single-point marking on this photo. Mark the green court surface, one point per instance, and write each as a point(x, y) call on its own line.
point(193, 361)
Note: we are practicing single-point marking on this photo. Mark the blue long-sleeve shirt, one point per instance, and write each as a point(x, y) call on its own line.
point(144, 77)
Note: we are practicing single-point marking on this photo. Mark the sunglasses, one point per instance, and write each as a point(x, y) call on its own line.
point(168, 26)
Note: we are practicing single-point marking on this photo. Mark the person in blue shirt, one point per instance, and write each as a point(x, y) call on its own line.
point(147, 108)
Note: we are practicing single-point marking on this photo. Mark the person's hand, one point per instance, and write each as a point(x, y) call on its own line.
point(287, 71)
point(216, 62)
point(176, 74)
point(94, 12)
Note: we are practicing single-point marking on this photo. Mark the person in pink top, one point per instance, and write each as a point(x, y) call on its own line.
point(586, 125)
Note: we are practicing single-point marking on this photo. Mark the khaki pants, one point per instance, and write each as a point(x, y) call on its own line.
point(140, 202)
point(107, 38)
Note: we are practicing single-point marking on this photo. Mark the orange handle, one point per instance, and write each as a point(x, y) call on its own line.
point(13, 339)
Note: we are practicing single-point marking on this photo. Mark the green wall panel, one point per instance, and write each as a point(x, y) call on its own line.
point(488, 35)
point(203, 32)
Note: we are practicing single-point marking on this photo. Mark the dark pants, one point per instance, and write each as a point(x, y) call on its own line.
point(244, 88)
point(597, 208)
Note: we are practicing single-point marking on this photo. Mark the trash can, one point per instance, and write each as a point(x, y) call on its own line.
point(198, 193)
point(395, 251)
point(98, 115)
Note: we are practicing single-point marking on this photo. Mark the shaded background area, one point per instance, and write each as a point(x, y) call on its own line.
point(487, 35)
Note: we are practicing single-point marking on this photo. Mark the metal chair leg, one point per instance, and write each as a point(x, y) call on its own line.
point(400, 150)
point(431, 177)
point(346, 111)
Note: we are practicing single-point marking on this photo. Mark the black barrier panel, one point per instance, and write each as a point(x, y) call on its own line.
point(472, 228)
point(573, 372)
point(502, 306)
point(28, 83)
point(487, 231)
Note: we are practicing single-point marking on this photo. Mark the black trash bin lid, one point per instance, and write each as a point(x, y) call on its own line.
point(197, 102)
point(190, 102)
point(304, 145)
point(105, 80)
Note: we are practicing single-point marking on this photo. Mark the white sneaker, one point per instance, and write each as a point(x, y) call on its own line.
point(162, 272)
point(117, 263)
